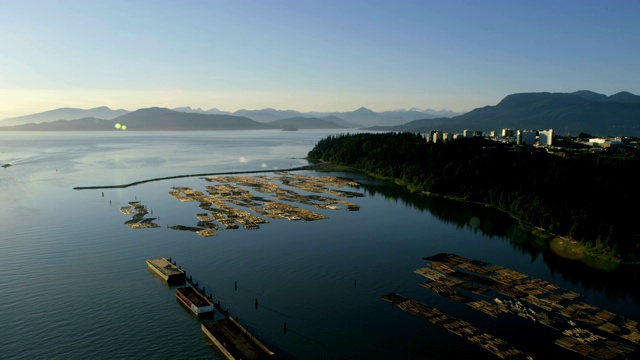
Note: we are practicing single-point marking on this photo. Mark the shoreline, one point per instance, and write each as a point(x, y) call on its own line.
point(562, 246)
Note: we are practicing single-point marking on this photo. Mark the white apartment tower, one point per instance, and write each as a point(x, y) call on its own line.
point(526, 137)
point(508, 133)
point(545, 137)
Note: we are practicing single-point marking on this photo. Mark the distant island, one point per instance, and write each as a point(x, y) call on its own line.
point(569, 113)
point(584, 197)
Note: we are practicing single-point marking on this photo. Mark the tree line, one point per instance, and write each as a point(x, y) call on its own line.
point(589, 197)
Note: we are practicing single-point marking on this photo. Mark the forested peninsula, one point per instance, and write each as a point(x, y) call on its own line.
point(588, 197)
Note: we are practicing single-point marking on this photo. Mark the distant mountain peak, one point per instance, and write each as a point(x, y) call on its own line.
point(364, 110)
point(101, 112)
point(624, 97)
point(590, 95)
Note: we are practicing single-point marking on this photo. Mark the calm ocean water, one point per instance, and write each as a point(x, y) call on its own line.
point(74, 283)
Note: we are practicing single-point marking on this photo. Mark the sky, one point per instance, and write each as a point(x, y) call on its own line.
point(309, 55)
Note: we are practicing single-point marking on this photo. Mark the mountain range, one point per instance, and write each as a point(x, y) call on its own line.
point(162, 119)
point(101, 112)
point(359, 118)
point(566, 113)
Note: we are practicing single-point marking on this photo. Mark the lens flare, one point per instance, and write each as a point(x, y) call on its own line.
point(243, 159)
point(263, 165)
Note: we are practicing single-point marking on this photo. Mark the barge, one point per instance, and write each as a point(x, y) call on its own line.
point(194, 300)
point(234, 341)
point(167, 271)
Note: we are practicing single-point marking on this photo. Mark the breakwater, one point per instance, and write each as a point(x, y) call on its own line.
point(120, 186)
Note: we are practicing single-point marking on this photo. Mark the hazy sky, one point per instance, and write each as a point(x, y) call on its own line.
point(310, 55)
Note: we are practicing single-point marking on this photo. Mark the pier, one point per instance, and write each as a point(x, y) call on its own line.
point(167, 271)
point(234, 341)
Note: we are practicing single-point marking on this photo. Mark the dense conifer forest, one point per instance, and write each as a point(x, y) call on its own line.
point(589, 197)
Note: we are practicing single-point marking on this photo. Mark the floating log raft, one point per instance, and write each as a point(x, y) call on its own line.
point(594, 347)
point(206, 232)
point(205, 217)
point(280, 210)
point(482, 305)
point(198, 230)
point(208, 225)
point(127, 210)
point(603, 320)
point(459, 327)
point(144, 224)
point(138, 221)
point(541, 294)
point(229, 193)
point(438, 277)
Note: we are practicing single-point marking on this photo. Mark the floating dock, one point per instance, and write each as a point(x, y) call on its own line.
point(194, 300)
point(166, 270)
point(234, 341)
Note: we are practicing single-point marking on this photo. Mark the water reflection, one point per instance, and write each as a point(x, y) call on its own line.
point(616, 284)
